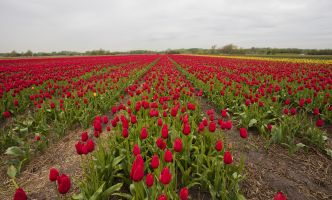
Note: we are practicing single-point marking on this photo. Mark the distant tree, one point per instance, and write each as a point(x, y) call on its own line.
point(14, 54)
point(213, 49)
point(28, 53)
point(228, 49)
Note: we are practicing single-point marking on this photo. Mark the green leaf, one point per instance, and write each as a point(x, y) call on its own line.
point(114, 188)
point(14, 151)
point(252, 122)
point(300, 145)
point(124, 195)
point(12, 171)
point(240, 197)
point(329, 152)
point(77, 196)
point(96, 195)
point(24, 130)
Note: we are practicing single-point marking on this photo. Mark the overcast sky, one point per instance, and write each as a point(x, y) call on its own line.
point(80, 25)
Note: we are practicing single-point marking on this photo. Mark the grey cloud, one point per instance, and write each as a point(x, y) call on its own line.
point(45, 25)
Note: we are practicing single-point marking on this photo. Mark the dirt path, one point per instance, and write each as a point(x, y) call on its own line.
point(302, 176)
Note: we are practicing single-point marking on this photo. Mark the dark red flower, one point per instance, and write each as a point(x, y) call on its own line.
point(84, 136)
point(319, 123)
point(20, 194)
point(184, 193)
point(78, 147)
point(228, 159)
point(154, 161)
point(6, 114)
point(164, 131)
point(149, 180)
point(64, 184)
point(224, 113)
point(168, 157)
point(161, 144)
point(144, 133)
point(165, 176)
point(54, 173)
point(90, 145)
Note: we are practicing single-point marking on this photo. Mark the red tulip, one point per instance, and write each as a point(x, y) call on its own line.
point(168, 157)
point(228, 159)
point(177, 145)
point(125, 132)
point(20, 194)
point(243, 132)
point(186, 129)
point(162, 197)
point(149, 179)
point(184, 193)
point(224, 113)
point(90, 145)
point(165, 176)
point(54, 173)
point(319, 123)
point(137, 169)
point(212, 127)
point(84, 136)
point(136, 150)
point(144, 133)
point(6, 114)
point(161, 144)
point(154, 161)
point(164, 131)
point(280, 196)
point(219, 145)
point(64, 184)
point(78, 147)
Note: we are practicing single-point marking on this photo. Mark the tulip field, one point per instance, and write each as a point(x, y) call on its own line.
point(165, 127)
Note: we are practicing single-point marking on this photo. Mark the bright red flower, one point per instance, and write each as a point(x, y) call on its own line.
point(186, 129)
point(228, 159)
point(177, 145)
point(64, 184)
point(224, 113)
point(162, 197)
point(133, 119)
point(168, 157)
point(20, 194)
point(160, 122)
point(218, 145)
point(165, 176)
point(137, 169)
point(105, 119)
point(243, 132)
point(90, 145)
point(54, 173)
point(125, 132)
point(78, 147)
point(212, 127)
point(280, 196)
point(184, 193)
point(136, 150)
